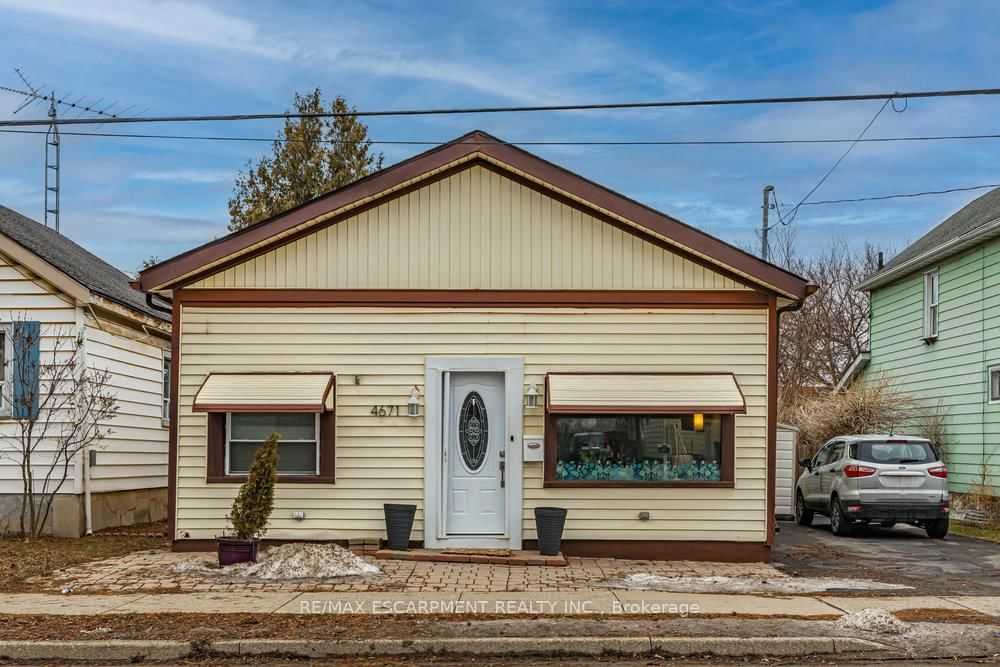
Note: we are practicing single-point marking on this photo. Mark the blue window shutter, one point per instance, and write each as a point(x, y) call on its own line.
point(25, 339)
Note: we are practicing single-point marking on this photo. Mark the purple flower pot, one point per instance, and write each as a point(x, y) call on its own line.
point(236, 551)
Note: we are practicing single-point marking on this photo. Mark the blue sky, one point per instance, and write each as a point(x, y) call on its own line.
point(126, 199)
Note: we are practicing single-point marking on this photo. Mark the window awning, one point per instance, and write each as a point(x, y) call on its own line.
point(665, 393)
point(265, 392)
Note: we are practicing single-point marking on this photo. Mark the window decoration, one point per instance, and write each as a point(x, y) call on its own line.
point(638, 448)
point(473, 431)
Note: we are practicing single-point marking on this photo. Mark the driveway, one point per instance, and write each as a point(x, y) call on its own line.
point(900, 555)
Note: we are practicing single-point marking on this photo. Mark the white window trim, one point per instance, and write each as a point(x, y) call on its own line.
point(165, 390)
point(7, 384)
point(995, 368)
point(229, 430)
point(931, 324)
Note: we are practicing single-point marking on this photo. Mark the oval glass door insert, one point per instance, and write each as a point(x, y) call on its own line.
point(473, 431)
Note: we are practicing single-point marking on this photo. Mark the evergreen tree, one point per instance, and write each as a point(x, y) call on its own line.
point(314, 156)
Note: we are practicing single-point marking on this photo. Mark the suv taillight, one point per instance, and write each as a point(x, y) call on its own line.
point(938, 471)
point(858, 471)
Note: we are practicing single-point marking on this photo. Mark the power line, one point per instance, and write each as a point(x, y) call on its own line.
point(519, 109)
point(836, 164)
point(902, 195)
point(638, 142)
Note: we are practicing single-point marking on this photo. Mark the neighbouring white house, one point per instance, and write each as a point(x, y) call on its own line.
point(67, 293)
point(478, 332)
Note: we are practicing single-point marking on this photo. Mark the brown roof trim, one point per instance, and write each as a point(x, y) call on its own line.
point(165, 274)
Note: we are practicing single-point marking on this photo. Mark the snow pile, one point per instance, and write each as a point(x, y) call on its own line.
point(289, 561)
point(306, 561)
point(645, 581)
point(873, 619)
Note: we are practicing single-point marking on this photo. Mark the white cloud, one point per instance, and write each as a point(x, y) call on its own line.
point(185, 176)
point(171, 21)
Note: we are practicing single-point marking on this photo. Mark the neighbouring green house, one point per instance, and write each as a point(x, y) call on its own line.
point(935, 330)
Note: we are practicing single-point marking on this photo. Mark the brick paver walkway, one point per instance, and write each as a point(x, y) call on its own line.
point(148, 571)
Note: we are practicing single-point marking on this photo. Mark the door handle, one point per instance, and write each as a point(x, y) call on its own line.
point(503, 466)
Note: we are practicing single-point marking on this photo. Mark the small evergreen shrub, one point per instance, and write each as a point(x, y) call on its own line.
point(255, 501)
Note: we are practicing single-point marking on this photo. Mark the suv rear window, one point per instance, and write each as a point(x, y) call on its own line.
point(894, 452)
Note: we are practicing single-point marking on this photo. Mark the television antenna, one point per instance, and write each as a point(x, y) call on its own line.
point(35, 95)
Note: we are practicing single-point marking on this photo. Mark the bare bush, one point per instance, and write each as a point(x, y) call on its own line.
point(874, 405)
point(59, 409)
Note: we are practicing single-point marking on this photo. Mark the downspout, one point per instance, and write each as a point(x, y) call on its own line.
point(87, 513)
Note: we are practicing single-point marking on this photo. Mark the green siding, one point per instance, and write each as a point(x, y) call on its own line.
point(951, 371)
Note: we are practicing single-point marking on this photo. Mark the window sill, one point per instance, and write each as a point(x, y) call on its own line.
point(607, 484)
point(282, 479)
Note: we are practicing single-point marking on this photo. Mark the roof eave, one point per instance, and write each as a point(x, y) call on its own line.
point(942, 251)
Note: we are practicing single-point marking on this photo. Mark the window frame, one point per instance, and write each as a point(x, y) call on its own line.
point(229, 440)
point(931, 309)
point(7, 368)
point(991, 398)
point(217, 470)
point(166, 366)
point(727, 479)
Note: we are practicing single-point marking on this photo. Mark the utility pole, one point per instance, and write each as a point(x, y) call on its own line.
point(764, 249)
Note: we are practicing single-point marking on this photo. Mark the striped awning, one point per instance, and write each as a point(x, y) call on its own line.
point(265, 392)
point(644, 393)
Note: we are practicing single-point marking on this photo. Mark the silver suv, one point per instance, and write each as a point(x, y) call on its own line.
point(886, 479)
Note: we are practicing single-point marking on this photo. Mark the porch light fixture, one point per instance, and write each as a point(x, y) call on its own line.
point(699, 422)
point(413, 405)
point(531, 396)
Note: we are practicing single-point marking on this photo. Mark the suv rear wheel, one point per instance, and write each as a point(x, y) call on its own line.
point(839, 524)
point(803, 515)
point(937, 529)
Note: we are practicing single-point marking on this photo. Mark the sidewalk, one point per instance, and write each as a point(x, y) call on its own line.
point(548, 603)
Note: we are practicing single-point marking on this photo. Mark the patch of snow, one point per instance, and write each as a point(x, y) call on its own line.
point(873, 619)
point(288, 561)
point(717, 584)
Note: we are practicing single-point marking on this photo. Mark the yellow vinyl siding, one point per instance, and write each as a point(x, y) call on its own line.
point(380, 459)
point(475, 229)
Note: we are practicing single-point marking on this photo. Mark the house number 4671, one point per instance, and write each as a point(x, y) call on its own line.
point(385, 410)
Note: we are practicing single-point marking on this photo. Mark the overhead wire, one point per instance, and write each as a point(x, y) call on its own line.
point(518, 109)
point(539, 142)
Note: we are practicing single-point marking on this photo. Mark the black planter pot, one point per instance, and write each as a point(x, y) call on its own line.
point(549, 523)
point(236, 551)
point(398, 525)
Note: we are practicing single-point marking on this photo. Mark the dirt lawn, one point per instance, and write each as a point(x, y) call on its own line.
point(21, 560)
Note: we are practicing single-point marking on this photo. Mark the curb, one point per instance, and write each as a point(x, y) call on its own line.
point(130, 651)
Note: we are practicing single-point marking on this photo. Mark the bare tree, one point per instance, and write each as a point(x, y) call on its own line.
point(60, 409)
point(820, 341)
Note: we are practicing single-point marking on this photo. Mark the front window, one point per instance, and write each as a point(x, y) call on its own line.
point(931, 304)
point(298, 449)
point(639, 448)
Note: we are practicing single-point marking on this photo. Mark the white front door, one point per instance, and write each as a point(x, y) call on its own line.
point(474, 453)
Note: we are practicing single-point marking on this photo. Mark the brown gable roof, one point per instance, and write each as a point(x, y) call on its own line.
point(690, 241)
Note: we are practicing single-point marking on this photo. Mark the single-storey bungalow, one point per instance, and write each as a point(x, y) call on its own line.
point(478, 332)
point(78, 307)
